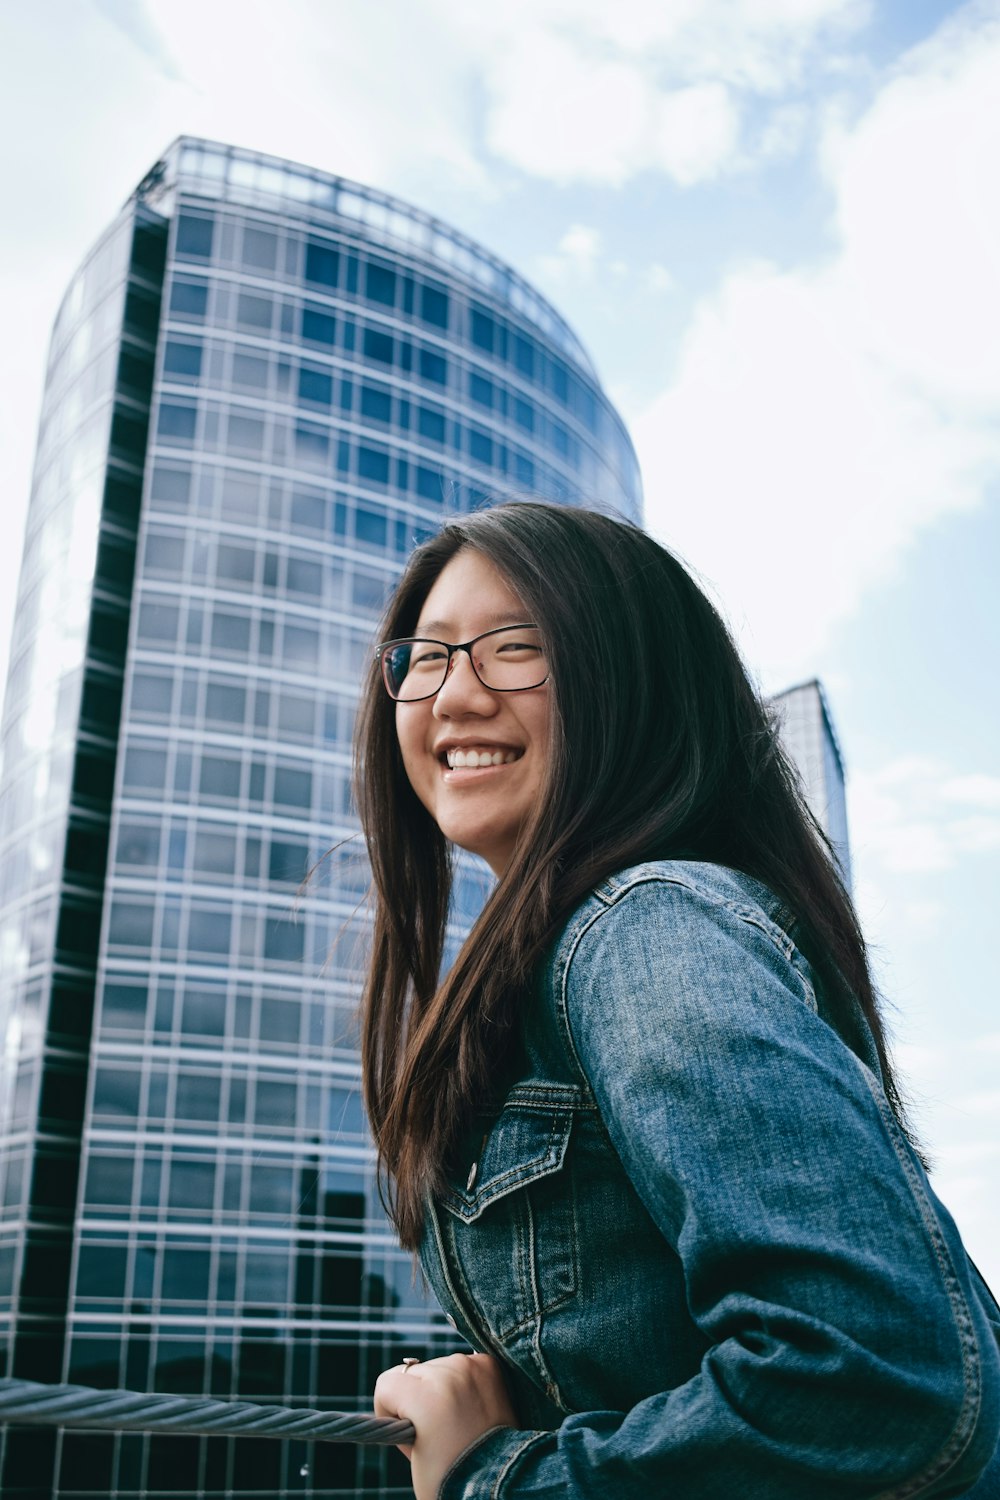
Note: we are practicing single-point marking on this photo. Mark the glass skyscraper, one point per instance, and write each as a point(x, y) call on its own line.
point(810, 739)
point(265, 385)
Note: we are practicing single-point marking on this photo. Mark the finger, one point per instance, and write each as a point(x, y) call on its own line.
point(385, 1403)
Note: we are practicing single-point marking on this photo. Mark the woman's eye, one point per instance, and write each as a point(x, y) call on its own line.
point(510, 647)
point(428, 656)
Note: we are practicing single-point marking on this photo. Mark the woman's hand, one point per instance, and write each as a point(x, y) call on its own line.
point(451, 1402)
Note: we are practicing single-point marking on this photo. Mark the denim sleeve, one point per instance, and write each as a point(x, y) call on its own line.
point(849, 1354)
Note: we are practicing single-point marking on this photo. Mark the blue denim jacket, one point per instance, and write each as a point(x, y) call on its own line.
point(695, 1236)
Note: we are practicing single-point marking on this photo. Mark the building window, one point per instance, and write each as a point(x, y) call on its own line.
point(380, 284)
point(434, 306)
point(378, 346)
point(433, 367)
point(318, 327)
point(321, 264)
point(189, 300)
point(177, 423)
point(373, 465)
point(315, 386)
point(194, 236)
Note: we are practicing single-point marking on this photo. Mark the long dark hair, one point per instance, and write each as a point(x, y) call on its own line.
point(660, 748)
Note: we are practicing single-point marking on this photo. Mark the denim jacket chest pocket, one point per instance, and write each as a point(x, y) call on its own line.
point(510, 1230)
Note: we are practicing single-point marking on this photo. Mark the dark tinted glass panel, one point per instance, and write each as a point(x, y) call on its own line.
point(182, 359)
point(434, 306)
point(433, 367)
point(480, 445)
point(430, 423)
point(380, 284)
point(481, 390)
point(373, 465)
point(430, 483)
point(378, 346)
point(524, 356)
point(289, 861)
point(524, 414)
point(192, 1184)
point(315, 385)
point(109, 1180)
point(376, 403)
point(318, 327)
point(101, 1271)
point(483, 331)
point(189, 299)
point(116, 1092)
point(370, 527)
point(194, 236)
point(321, 264)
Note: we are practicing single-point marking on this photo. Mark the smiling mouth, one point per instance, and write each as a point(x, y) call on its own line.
point(473, 759)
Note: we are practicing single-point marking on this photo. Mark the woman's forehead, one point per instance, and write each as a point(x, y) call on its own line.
point(470, 595)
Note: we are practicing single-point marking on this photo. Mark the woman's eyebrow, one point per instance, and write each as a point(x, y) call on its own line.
point(494, 622)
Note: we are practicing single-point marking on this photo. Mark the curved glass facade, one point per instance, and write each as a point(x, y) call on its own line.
point(266, 384)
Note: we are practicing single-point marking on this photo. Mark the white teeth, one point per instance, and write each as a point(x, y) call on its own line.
point(479, 758)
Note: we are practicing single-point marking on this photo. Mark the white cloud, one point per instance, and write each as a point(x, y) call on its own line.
point(579, 91)
point(830, 414)
point(576, 254)
point(562, 114)
point(696, 132)
point(905, 817)
point(981, 791)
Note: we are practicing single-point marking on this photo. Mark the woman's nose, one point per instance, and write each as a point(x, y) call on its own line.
point(462, 691)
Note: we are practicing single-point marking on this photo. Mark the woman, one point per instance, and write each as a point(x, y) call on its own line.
point(644, 1132)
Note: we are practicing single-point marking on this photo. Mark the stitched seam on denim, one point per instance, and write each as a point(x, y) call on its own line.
point(462, 1302)
point(523, 1172)
point(965, 1423)
point(558, 1096)
point(758, 919)
point(505, 1471)
point(541, 1308)
point(471, 1448)
point(562, 1002)
point(754, 915)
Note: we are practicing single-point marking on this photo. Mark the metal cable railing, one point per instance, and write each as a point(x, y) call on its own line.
point(28, 1403)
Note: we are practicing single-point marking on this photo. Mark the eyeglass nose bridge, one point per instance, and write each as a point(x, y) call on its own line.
point(465, 646)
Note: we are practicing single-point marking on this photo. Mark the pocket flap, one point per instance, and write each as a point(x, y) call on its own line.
point(528, 1140)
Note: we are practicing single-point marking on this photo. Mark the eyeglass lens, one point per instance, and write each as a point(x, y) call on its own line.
point(505, 660)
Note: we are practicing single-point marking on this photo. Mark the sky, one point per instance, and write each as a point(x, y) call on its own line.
point(775, 225)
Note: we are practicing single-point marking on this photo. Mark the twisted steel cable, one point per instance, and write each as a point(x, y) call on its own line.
point(26, 1402)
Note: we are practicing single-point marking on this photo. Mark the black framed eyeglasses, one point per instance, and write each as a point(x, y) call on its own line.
point(510, 659)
